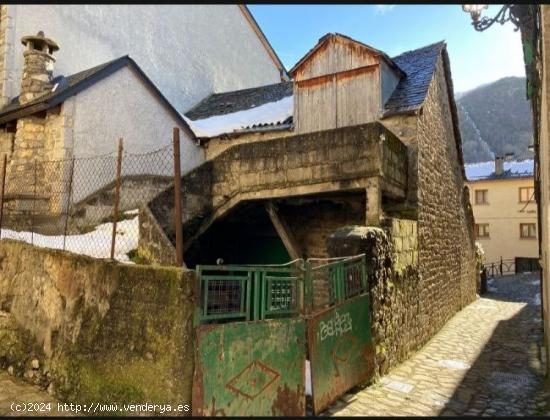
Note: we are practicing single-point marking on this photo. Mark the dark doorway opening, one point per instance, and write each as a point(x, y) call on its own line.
point(245, 236)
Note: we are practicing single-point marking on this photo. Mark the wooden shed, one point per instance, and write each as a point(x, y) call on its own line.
point(341, 82)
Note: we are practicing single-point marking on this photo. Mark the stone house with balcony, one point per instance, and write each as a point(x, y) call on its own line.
point(356, 139)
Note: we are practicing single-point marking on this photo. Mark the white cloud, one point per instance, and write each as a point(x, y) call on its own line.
point(384, 8)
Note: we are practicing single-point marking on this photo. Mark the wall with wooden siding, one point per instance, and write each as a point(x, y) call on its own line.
point(340, 85)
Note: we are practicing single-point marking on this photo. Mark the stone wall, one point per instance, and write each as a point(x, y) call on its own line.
point(312, 223)
point(405, 126)
point(330, 161)
point(96, 331)
point(447, 264)
point(394, 287)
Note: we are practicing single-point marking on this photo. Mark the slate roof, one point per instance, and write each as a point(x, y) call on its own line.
point(419, 66)
point(512, 169)
point(72, 85)
point(239, 100)
point(63, 84)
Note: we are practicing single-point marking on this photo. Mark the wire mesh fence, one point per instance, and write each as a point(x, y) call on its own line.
point(85, 205)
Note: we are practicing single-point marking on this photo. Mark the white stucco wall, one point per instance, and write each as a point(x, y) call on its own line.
point(189, 51)
point(122, 105)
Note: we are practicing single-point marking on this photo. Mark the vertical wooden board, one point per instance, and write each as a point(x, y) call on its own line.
point(341, 351)
point(316, 107)
point(358, 99)
point(337, 55)
point(250, 368)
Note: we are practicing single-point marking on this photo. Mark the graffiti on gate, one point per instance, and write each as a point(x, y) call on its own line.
point(338, 325)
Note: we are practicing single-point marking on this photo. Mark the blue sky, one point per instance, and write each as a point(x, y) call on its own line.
point(476, 57)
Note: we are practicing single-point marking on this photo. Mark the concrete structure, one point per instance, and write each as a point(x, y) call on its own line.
point(399, 170)
point(504, 209)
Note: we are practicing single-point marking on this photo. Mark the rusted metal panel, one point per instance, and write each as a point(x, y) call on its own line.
point(250, 368)
point(341, 351)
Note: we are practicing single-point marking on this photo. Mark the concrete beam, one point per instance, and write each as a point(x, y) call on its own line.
point(374, 202)
point(283, 231)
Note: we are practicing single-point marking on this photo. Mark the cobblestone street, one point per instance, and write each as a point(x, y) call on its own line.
point(485, 361)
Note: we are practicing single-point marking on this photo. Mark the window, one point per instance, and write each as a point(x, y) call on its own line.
point(481, 196)
point(527, 230)
point(482, 230)
point(526, 194)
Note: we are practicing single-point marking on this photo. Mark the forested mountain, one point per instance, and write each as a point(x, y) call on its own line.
point(495, 118)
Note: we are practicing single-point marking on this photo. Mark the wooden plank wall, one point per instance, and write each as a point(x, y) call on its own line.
point(339, 85)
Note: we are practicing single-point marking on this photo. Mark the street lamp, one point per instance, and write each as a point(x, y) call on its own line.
point(508, 12)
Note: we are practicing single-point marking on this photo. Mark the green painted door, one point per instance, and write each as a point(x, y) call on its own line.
point(340, 350)
point(250, 369)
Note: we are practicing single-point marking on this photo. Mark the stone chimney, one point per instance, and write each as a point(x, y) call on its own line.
point(37, 66)
point(499, 165)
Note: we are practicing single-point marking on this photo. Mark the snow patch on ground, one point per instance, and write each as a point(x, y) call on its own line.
point(270, 113)
point(536, 299)
point(95, 244)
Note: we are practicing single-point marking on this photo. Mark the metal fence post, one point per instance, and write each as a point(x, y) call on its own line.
point(33, 205)
point(177, 198)
point(4, 164)
point(69, 195)
point(117, 197)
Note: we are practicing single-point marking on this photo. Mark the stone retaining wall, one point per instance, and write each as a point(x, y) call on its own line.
point(93, 330)
point(394, 286)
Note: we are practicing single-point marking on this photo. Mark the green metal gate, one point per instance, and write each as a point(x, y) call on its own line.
point(255, 325)
point(341, 353)
point(251, 341)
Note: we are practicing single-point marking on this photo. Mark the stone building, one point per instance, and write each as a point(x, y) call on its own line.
point(110, 83)
point(534, 22)
point(356, 139)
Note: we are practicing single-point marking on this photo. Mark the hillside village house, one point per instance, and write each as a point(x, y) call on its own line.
point(356, 139)
point(360, 152)
point(502, 195)
point(73, 89)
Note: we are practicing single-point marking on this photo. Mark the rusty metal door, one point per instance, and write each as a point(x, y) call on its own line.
point(250, 341)
point(250, 368)
point(340, 347)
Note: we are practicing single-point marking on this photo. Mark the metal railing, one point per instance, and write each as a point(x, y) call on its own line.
point(511, 266)
point(229, 293)
point(500, 268)
point(247, 292)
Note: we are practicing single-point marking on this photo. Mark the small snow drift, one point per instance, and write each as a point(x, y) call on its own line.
point(95, 244)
